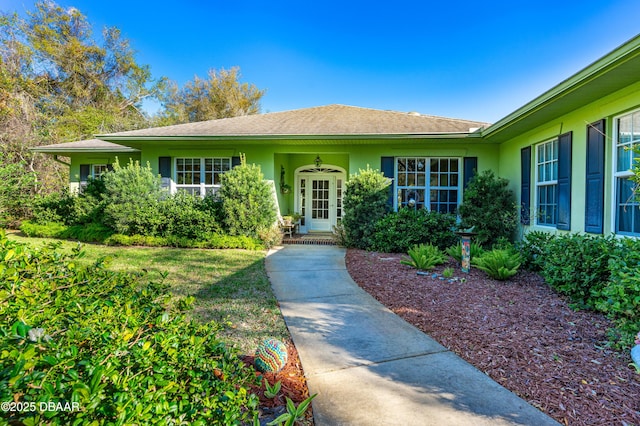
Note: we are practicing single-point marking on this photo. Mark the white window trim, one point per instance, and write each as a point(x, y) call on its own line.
point(95, 174)
point(539, 184)
point(427, 187)
point(618, 175)
point(202, 186)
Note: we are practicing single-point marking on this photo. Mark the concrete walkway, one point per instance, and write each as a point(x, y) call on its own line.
point(370, 367)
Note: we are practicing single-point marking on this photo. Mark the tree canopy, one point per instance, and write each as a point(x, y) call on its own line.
point(220, 95)
point(60, 82)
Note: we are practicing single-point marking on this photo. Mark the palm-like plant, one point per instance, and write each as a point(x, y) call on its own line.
point(424, 257)
point(499, 264)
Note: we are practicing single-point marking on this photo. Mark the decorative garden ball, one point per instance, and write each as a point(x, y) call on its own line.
point(271, 356)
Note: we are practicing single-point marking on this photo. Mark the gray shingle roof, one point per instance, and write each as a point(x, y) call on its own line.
point(322, 121)
point(94, 145)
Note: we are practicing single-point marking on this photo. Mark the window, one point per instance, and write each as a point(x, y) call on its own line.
point(627, 209)
point(200, 176)
point(98, 169)
point(547, 183)
point(431, 183)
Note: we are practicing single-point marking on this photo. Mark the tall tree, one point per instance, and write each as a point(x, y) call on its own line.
point(57, 84)
point(220, 95)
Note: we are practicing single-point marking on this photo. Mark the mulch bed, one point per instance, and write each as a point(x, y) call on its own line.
point(293, 386)
point(519, 332)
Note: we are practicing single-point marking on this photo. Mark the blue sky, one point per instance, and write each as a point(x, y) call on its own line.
point(463, 59)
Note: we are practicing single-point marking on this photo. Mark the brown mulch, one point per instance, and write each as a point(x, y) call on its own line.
point(519, 332)
point(293, 386)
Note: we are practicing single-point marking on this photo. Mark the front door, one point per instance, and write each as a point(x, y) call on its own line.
point(320, 204)
point(319, 198)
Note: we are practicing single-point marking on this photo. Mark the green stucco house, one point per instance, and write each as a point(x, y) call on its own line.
point(564, 153)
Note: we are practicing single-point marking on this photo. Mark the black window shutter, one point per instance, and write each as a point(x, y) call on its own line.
point(525, 185)
point(594, 193)
point(164, 167)
point(85, 171)
point(235, 161)
point(387, 167)
point(563, 191)
point(470, 168)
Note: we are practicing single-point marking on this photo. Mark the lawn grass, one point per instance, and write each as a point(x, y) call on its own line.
point(229, 286)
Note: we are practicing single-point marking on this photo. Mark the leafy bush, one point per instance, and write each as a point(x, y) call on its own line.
point(576, 265)
point(188, 216)
point(111, 343)
point(247, 200)
point(489, 205)
point(90, 233)
point(398, 231)
point(364, 203)
point(424, 257)
point(72, 209)
point(475, 249)
point(270, 237)
point(499, 264)
point(131, 200)
point(621, 296)
point(532, 248)
point(55, 207)
point(45, 230)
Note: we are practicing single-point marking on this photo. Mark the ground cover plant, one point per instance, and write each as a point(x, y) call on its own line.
point(230, 287)
point(126, 354)
point(520, 332)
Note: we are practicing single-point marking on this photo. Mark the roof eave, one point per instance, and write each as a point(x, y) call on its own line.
point(598, 68)
point(83, 150)
point(250, 137)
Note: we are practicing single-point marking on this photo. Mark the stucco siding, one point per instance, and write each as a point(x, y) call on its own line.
point(576, 122)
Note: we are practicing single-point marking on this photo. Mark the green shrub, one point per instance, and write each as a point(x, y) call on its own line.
point(89, 233)
point(44, 230)
point(576, 265)
point(499, 264)
point(398, 231)
point(55, 207)
point(489, 205)
point(475, 249)
point(72, 209)
point(621, 296)
point(188, 216)
point(364, 203)
point(424, 257)
point(221, 241)
point(131, 200)
point(247, 200)
point(532, 248)
point(111, 343)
